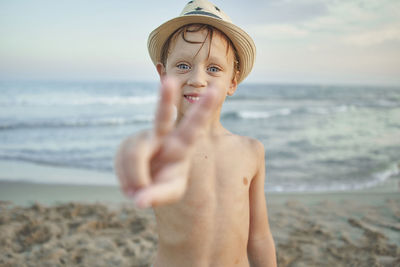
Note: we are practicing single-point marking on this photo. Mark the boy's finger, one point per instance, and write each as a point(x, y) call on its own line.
point(168, 187)
point(161, 193)
point(119, 171)
point(164, 119)
point(135, 165)
point(195, 120)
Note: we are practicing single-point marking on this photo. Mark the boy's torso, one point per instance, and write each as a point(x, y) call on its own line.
point(210, 225)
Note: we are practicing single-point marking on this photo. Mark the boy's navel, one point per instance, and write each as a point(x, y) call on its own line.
point(245, 182)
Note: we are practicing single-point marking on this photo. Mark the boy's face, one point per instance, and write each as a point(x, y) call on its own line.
point(196, 67)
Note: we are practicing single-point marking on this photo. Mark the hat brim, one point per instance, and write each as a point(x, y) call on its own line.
point(243, 43)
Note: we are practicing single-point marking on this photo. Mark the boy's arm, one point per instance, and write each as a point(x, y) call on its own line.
point(260, 247)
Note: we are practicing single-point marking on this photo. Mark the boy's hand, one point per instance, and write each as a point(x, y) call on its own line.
point(153, 166)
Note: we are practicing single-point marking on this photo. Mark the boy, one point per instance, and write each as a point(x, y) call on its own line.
point(205, 184)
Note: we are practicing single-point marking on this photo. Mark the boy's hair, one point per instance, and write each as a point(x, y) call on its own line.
point(196, 28)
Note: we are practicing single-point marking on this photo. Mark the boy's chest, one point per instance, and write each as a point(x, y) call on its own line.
point(223, 171)
point(217, 195)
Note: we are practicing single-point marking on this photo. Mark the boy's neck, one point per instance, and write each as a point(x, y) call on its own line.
point(213, 127)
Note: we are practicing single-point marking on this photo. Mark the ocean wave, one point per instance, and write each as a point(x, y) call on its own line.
point(84, 164)
point(68, 123)
point(256, 114)
point(327, 110)
point(262, 115)
point(375, 179)
point(77, 100)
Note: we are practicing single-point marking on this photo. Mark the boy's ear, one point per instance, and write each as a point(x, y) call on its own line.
point(161, 70)
point(234, 84)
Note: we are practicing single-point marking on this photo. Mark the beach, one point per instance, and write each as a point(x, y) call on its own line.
point(89, 225)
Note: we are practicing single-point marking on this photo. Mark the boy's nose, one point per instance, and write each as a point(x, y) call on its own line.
point(197, 78)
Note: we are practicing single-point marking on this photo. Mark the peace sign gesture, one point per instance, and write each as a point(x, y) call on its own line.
point(153, 166)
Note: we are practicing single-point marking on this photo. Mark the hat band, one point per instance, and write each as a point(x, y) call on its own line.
point(202, 13)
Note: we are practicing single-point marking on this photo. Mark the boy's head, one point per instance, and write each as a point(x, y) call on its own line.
point(202, 16)
point(198, 56)
point(186, 32)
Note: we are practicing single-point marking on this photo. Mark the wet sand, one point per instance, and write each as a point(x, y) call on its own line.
point(96, 226)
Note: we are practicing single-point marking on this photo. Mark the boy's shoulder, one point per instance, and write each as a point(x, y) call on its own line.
point(247, 152)
point(255, 145)
point(247, 144)
point(251, 141)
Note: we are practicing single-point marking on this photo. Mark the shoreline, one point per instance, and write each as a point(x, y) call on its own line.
point(24, 182)
point(26, 193)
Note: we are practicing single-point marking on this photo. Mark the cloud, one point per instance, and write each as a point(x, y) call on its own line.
point(356, 22)
point(355, 16)
point(277, 31)
point(374, 37)
point(277, 11)
point(294, 11)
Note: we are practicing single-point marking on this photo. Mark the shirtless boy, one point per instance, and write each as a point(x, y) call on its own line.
point(205, 184)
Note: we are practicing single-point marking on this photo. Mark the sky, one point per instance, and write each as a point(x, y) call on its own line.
point(298, 41)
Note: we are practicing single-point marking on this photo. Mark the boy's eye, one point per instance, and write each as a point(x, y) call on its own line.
point(214, 69)
point(183, 66)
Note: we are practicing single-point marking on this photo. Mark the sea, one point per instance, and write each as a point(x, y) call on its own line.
point(317, 138)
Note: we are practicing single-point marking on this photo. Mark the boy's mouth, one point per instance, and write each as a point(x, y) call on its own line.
point(192, 98)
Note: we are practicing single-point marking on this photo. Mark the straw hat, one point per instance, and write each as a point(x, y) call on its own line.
point(202, 11)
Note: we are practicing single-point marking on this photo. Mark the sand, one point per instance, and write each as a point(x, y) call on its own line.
point(59, 225)
point(74, 234)
point(342, 229)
